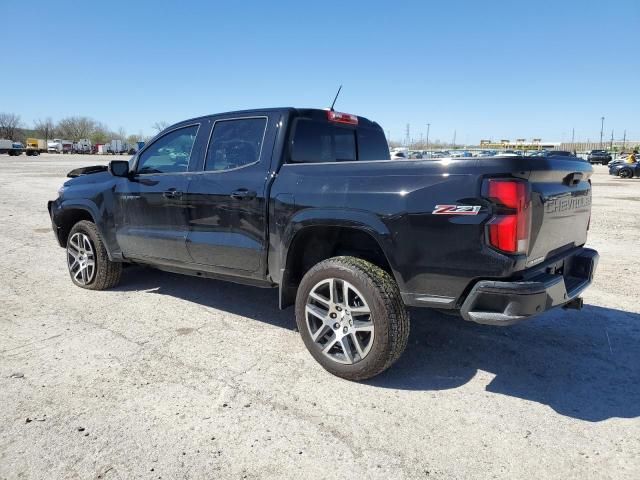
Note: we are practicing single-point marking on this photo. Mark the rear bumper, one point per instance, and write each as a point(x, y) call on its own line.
point(493, 302)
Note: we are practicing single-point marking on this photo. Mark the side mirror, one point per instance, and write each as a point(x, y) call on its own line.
point(119, 168)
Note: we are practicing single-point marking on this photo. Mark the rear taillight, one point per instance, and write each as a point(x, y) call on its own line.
point(509, 229)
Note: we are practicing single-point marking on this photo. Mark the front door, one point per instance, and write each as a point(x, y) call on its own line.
point(226, 200)
point(151, 216)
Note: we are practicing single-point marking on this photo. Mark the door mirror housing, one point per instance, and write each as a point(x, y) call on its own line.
point(119, 168)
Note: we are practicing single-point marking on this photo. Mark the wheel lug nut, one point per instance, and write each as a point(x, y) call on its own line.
point(333, 315)
point(336, 325)
point(344, 329)
point(338, 309)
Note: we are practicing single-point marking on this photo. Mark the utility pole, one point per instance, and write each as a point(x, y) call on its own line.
point(601, 130)
point(624, 140)
point(573, 136)
point(428, 127)
point(454, 139)
point(611, 143)
point(408, 136)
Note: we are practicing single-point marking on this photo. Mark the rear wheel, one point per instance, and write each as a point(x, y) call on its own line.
point(626, 173)
point(87, 259)
point(351, 317)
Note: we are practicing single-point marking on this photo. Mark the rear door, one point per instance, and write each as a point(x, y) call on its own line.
point(227, 198)
point(151, 214)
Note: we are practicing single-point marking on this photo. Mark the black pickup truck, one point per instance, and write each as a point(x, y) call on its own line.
point(599, 156)
point(309, 201)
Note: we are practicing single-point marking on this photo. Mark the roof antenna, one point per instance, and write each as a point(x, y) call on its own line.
point(336, 98)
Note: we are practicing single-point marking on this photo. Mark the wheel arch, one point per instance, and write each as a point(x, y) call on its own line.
point(314, 239)
point(71, 213)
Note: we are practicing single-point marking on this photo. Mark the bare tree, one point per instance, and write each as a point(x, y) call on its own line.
point(122, 134)
point(100, 134)
point(75, 128)
point(45, 128)
point(9, 124)
point(160, 126)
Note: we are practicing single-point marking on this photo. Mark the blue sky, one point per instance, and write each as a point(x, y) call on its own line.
point(492, 69)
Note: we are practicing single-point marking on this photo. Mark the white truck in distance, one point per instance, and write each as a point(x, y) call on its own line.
point(60, 146)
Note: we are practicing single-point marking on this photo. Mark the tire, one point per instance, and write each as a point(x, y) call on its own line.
point(369, 289)
point(625, 173)
point(83, 245)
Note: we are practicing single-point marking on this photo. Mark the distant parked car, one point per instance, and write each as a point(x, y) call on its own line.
point(625, 170)
point(507, 153)
point(616, 161)
point(460, 154)
point(539, 153)
point(484, 153)
point(560, 153)
point(599, 156)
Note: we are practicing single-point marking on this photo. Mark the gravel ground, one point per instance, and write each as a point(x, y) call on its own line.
point(179, 377)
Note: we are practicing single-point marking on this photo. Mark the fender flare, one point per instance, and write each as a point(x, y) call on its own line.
point(93, 211)
point(363, 221)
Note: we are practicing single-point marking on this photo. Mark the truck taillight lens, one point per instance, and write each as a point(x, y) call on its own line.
point(340, 117)
point(509, 230)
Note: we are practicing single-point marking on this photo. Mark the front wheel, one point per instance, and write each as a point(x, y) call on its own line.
point(87, 259)
point(626, 173)
point(351, 317)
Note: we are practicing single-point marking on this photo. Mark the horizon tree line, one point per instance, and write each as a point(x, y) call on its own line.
point(72, 128)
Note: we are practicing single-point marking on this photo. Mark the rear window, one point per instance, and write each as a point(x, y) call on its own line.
point(235, 143)
point(372, 144)
point(316, 141)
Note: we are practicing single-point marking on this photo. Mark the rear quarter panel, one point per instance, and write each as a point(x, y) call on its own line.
point(394, 201)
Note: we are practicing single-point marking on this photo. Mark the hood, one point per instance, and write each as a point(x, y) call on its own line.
point(87, 171)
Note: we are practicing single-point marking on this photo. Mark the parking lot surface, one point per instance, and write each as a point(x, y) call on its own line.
point(179, 377)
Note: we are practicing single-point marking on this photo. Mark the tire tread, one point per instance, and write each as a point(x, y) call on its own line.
point(108, 273)
point(398, 323)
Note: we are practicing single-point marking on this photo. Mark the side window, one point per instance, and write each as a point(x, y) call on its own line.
point(235, 143)
point(170, 153)
point(322, 142)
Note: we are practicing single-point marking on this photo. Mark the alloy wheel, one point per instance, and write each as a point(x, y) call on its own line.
point(81, 258)
point(339, 321)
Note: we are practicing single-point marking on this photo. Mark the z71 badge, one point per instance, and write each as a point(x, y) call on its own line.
point(456, 210)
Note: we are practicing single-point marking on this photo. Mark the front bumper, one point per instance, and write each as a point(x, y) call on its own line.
point(492, 302)
point(51, 207)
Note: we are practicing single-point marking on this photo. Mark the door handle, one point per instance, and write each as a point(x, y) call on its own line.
point(243, 194)
point(172, 193)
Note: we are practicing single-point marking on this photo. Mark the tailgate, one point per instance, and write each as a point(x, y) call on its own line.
point(561, 207)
